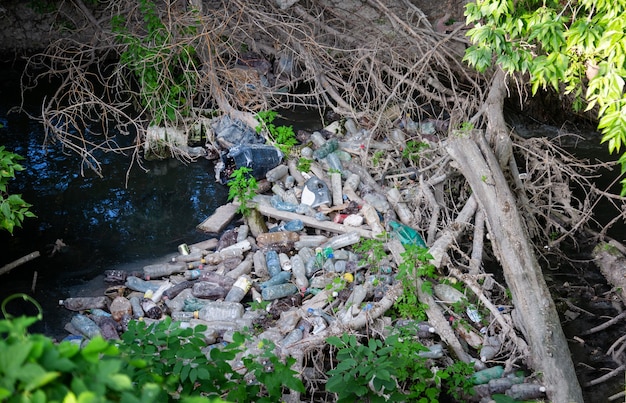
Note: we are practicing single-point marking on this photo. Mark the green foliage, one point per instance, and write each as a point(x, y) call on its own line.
point(378, 155)
point(413, 149)
point(579, 48)
point(159, 362)
point(283, 136)
point(304, 164)
point(372, 250)
point(13, 209)
point(415, 265)
point(242, 187)
point(165, 68)
point(391, 370)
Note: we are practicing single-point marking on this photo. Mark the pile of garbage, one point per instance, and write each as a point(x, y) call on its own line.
point(293, 267)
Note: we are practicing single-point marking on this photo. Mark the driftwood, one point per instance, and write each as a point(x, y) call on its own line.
point(10, 266)
point(612, 263)
point(531, 297)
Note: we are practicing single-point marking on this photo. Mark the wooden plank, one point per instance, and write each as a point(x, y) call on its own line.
point(220, 218)
point(330, 226)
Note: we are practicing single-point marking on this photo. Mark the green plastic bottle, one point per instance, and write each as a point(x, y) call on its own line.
point(406, 235)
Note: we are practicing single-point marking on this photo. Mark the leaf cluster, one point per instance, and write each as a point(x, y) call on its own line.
point(13, 209)
point(283, 136)
point(415, 265)
point(242, 187)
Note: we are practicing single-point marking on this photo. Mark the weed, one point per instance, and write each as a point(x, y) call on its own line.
point(242, 187)
point(283, 136)
point(415, 265)
point(413, 149)
point(378, 155)
point(304, 164)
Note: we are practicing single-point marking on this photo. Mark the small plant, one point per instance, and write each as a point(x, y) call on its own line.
point(378, 155)
point(283, 136)
point(372, 250)
point(304, 164)
point(415, 265)
point(412, 150)
point(243, 188)
point(13, 209)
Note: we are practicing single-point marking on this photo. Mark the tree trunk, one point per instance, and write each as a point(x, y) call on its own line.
point(539, 319)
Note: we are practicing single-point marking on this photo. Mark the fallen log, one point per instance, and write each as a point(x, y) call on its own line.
point(541, 327)
point(10, 266)
point(612, 263)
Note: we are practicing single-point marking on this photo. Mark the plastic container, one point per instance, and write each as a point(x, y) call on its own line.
point(193, 304)
point(448, 294)
point(218, 310)
point(277, 173)
point(279, 204)
point(108, 327)
point(182, 316)
point(435, 351)
point(158, 294)
point(328, 147)
point(86, 326)
point(206, 289)
point(310, 241)
point(406, 235)
point(293, 225)
point(501, 385)
point(120, 306)
point(85, 303)
point(269, 239)
point(135, 303)
point(525, 391)
point(280, 278)
point(174, 290)
point(150, 309)
point(260, 158)
point(315, 193)
point(320, 313)
point(137, 284)
point(484, 376)
point(193, 274)
point(299, 272)
point(239, 289)
point(343, 240)
point(220, 279)
point(162, 270)
point(278, 291)
point(273, 263)
point(293, 337)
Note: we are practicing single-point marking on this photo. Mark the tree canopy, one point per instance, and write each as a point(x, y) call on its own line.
point(577, 47)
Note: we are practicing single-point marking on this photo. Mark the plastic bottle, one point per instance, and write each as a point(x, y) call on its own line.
point(280, 278)
point(406, 235)
point(239, 289)
point(448, 294)
point(278, 291)
point(326, 148)
point(120, 306)
point(282, 205)
point(174, 290)
point(84, 303)
point(162, 270)
point(277, 173)
point(235, 250)
point(108, 327)
point(491, 347)
point(220, 279)
point(305, 209)
point(158, 294)
point(404, 213)
point(299, 272)
point(206, 289)
point(293, 337)
point(435, 351)
point(85, 326)
point(193, 304)
point(137, 284)
point(183, 316)
point(99, 312)
point(135, 303)
point(501, 385)
point(150, 309)
point(484, 376)
point(372, 219)
point(218, 310)
point(273, 263)
point(315, 263)
point(274, 238)
point(293, 225)
point(196, 265)
point(310, 241)
point(242, 233)
point(343, 240)
point(526, 391)
point(320, 313)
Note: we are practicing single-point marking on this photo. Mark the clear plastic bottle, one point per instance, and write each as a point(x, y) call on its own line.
point(328, 147)
point(293, 225)
point(280, 278)
point(217, 278)
point(310, 241)
point(279, 204)
point(277, 173)
point(193, 274)
point(207, 289)
point(183, 316)
point(273, 263)
point(239, 289)
point(137, 284)
point(218, 310)
point(343, 240)
point(174, 290)
point(278, 291)
point(154, 271)
point(120, 306)
point(275, 238)
point(299, 272)
point(135, 303)
point(525, 391)
point(85, 303)
point(150, 309)
point(85, 326)
point(435, 351)
point(293, 337)
point(158, 294)
point(320, 313)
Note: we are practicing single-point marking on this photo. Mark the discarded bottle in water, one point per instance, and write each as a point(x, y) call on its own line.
point(120, 306)
point(218, 310)
point(135, 303)
point(406, 235)
point(293, 337)
point(85, 303)
point(85, 326)
point(343, 240)
point(326, 148)
point(484, 376)
point(299, 272)
point(239, 289)
point(150, 309)
point(273, 263)
point(183, 316)
point(278, 291)
point(137, 284)
point(525, 391)
point(162, 270)
point(174, 290)
point(294, 226)
point(435, 351)
point(206, 289)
